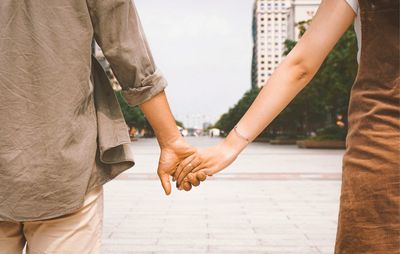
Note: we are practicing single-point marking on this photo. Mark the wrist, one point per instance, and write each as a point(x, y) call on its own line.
point(170, 141)
point(235, 142)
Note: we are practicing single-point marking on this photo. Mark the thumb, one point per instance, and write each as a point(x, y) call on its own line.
point(165, 182)
point(208, 171)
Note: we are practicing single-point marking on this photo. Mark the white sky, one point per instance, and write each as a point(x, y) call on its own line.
point(204, 49)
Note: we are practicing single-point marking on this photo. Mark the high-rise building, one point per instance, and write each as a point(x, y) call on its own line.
point(275, 22)
point(300, 10)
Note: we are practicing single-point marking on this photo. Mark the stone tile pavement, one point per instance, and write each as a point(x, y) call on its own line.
point(267, 211)
point(221, 217)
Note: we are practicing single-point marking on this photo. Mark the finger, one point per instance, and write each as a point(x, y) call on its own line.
point(195, 163)
point(193, 179)
point(182, 165)
point(194, 170)
point(165, 182)
point(187, 186)
point(180, 187)
point(201, 176)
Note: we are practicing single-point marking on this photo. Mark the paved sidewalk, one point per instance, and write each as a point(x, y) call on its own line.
point(267, 211)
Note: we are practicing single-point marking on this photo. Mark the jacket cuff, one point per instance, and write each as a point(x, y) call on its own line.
point(150, 87)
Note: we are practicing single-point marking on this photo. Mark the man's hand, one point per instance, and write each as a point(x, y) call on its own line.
point(173, 148)
point(171, 155)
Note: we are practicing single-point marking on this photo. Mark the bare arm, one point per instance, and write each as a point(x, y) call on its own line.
point(293, 74)
point(159, 114)
point(173, 148)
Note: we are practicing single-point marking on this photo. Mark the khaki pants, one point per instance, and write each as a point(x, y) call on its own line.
point(79, 232)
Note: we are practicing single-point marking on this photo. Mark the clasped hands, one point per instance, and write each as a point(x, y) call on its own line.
point(188, 166)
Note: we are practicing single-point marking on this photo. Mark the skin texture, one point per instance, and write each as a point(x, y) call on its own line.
point(293, 74)
point(173, 148)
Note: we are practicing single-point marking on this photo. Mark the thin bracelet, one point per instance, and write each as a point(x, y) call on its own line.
point(240, 135)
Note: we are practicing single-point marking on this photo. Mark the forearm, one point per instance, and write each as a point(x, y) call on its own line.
point(158, 113)
point(286, 82)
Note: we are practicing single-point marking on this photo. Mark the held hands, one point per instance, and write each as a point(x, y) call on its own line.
point(172, 153)
point(189, 167)
point(195, 168)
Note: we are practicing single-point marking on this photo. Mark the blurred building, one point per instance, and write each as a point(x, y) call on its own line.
point(300, 10)
point(274, 22)
point(206, 125)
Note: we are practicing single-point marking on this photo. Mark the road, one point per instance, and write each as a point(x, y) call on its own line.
point(273, 199)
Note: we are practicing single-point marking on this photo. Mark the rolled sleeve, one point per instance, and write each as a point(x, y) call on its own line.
point(150, 86)
point(119, 33)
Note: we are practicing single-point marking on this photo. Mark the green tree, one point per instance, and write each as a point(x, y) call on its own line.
point(229, 119)
point(134, 117)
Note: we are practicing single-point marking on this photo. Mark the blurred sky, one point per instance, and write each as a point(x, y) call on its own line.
point(204, 49)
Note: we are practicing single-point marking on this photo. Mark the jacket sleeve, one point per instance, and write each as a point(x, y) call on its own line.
point(119, 33)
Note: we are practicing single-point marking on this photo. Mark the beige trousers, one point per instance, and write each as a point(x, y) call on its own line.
point(79, 232)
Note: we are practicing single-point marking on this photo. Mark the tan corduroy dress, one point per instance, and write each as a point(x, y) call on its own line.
point(369, 220)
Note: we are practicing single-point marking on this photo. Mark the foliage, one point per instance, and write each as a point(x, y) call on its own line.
point(179, 123)
point(229, 119)
point(332, 132)
point(134, 117)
